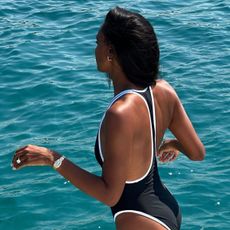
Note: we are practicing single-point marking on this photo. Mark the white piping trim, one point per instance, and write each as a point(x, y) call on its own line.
point(142, 214)
point(154, 118)
point(151, 131)
point(113, 100)
point(152, 145)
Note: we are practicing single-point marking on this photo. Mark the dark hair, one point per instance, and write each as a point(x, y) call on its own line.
point(135, 44)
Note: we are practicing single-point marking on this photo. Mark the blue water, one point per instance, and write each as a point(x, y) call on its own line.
point(51, 94)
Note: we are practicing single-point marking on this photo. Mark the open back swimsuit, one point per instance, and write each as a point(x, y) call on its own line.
point(146, 196)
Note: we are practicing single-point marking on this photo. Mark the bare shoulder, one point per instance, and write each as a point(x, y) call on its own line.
point(125, 105)
point(123, 111)
point(165, 87)
point(165, 93)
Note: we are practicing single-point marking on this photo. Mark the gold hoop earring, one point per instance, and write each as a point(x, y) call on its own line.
point(109, 58)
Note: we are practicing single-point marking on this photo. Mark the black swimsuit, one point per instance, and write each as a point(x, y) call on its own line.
point(146, 196)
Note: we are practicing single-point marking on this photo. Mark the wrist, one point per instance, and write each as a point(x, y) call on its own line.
point(170, 143)
point(54, 156)
point(176, 145)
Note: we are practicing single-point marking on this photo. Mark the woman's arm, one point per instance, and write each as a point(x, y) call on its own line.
point(106, 188)
point(187, 141)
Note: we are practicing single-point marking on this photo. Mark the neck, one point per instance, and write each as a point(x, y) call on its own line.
point(120, 81)
point(119, 87)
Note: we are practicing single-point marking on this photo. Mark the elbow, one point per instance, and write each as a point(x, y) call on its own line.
point(111, 198)
point(110, 195)
point(111, 201)
point(198, 155)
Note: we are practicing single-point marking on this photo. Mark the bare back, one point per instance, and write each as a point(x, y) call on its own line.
point(169, 113)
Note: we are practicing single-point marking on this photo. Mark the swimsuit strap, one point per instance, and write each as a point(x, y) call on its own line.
point(151, 119)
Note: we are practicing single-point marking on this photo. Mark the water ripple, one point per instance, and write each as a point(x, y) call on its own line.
point(52, 95)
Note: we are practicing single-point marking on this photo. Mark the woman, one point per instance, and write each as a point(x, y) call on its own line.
point(131, 130)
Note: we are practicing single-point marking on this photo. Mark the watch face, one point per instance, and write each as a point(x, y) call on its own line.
point(58, 162)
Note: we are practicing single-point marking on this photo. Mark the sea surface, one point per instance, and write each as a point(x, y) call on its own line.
point(51, 94)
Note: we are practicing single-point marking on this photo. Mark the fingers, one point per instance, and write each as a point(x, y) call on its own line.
point(167, 156)
point(29, 160)
point(19, 157)
point(174, 156)
point(20, 161)
point(167, 152)
point(31, 155)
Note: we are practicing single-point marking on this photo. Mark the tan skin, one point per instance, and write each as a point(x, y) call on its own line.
point(126, 157)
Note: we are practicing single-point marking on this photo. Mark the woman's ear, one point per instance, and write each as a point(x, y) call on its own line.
point(109, 58)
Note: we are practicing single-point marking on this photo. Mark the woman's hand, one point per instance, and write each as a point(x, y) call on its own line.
point(32, 155)
point(167, 151)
